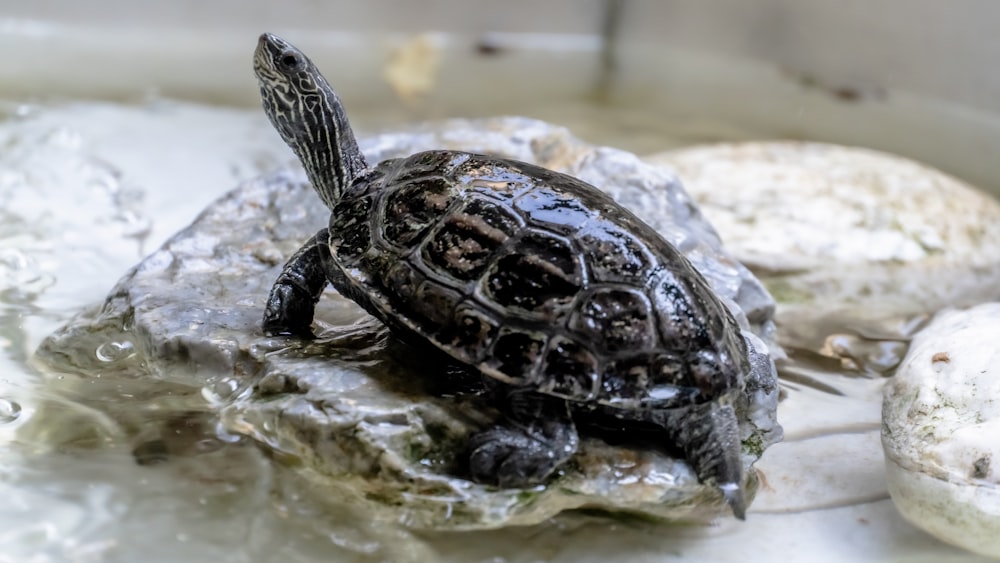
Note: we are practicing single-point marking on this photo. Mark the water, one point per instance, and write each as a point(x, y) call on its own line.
point(87, 189)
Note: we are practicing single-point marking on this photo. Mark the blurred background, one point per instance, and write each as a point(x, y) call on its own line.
point(912, 77)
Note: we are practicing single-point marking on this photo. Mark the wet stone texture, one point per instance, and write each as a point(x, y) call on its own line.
point(940, 421)
point(374, 422)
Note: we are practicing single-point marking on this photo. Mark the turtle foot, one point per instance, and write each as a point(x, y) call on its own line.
point(511, 458)
point(288, 313)
point(292, 301)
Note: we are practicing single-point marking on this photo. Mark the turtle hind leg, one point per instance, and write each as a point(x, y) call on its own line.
point(292, 300)
point(709, 436)
point(536, 438)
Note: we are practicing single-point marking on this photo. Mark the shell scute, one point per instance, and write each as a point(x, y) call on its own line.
point(434, 304)
point(466, 240)
point(351, 221)
point(411, 208)
point(470, 332)
point(571, 370)
point(648, 381)
point(619, 318)
point(400, 283)
point(541, 274)
point(553, 211)
point(614, 255)
point(678, 320)
point(494, 178)
point(625, 382)
point(516, 355)
point(420, 165)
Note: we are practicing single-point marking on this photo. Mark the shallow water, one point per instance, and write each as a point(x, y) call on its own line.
point(87, 189)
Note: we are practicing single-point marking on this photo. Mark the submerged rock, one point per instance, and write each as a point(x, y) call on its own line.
point(941, 418)
point(372, 421)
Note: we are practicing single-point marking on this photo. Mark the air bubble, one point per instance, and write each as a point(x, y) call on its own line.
point(9, 411)
point(114, 351)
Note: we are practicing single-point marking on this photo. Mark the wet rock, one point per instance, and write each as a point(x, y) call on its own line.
point(941, 418)
point(370, 420)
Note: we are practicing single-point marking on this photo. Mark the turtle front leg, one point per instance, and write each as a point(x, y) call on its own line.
point(709, 436)
point(536, 438)
point(292, 301)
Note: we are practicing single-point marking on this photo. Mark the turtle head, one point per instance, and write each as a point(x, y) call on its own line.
point(308, 115)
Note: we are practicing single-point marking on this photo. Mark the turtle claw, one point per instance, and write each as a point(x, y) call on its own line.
point(733, 493)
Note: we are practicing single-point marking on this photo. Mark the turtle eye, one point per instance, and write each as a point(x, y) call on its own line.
point(290, 61)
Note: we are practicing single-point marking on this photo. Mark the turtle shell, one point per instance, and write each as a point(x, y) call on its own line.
point(534, 277)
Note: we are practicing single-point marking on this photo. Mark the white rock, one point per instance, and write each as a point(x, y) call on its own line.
point(941, 420)
point(853, 226)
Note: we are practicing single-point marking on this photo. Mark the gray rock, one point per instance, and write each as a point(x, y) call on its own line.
point(354, 409)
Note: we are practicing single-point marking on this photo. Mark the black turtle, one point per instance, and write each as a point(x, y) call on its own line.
point(533, 278)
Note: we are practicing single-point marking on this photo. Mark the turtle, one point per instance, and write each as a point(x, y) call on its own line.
point(557, 296)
